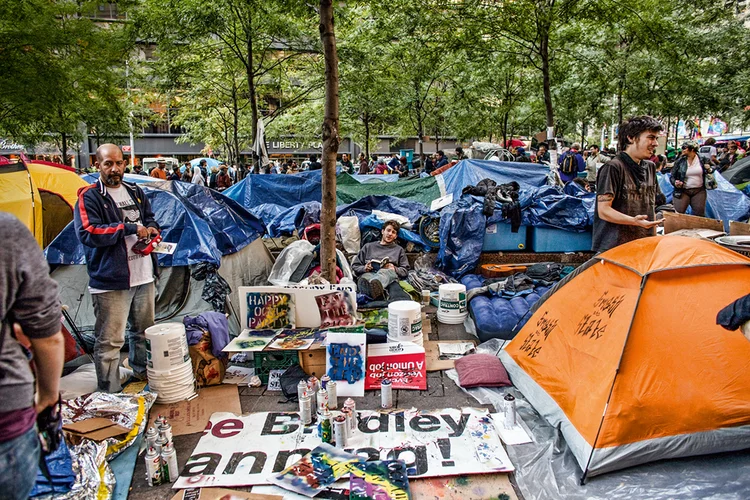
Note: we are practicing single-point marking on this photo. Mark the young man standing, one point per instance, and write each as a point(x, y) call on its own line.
point(627, 187)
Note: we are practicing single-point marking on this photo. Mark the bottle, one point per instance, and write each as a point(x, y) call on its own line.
point(305, 409)
point(153, 467)
point(324, 427)
point(386, 394)
point(169, 464)
point(322, 401)
point(331, 387)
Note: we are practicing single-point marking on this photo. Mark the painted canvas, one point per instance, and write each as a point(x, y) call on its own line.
point(266, 310)
point(316, 470)
point(335, 309)
point(379, 480)
point(295, 339)
point(345, 362)
point(250, 341)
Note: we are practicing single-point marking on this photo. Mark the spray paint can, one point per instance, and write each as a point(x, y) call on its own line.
point(161, 442)
point(347, 413)
point(159, 420)
point(386, 394)
point(313, 386)
point(301, 389)
point(305, 409)
point(151, 436)
point(166, 431)
point(339, 431)
point(324, 427)
point(153, 467)
point(509, 405)
point(349, 403)
point(333, 402)
point(169, 464)
point(324, 381)
point(322, 401)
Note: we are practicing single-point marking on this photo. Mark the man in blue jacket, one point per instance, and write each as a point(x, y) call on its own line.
point(110, 217)
point(569, 168)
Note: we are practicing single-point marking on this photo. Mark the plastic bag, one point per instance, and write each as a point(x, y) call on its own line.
point(347, 231)
point(404, 222)
point(288, 261)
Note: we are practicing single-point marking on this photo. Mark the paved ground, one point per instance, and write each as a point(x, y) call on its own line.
point(441, 392)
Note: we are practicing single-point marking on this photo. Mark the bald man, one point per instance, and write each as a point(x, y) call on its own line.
point(110, 217)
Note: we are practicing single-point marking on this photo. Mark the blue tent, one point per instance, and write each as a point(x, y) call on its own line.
point(204, 224)
point(470, 172)
point(279, 189)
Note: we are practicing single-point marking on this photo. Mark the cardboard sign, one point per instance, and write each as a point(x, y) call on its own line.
point(306, 308)
point(345, 362)
point(401, 363)
point(266, 310)
point(247, 450)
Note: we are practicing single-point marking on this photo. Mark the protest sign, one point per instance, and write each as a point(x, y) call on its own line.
point(345, 362)
point(247, 450)
point(402, 363)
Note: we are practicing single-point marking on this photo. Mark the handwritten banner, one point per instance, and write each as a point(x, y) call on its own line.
point(247, 450)
point(401, 363)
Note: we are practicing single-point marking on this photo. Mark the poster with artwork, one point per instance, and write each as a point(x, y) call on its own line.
point(294, 339)
point(316, 470)
point(267, 310)
point(379, 480)
point(335, 309)
point(345, 362)
point(250, 341)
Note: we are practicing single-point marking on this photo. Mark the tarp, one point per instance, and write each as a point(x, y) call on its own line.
point(605, 352)
point(284, 190)
point(362, 208)
point(462, 227)
point(470, 172)
point(204, 224)
point(739, 173)
point(724, 203)
point(551, 207)
point(348, 190)
point(365, 179)
point(295, 218)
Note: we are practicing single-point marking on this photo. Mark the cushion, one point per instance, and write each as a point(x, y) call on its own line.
point(481, 370)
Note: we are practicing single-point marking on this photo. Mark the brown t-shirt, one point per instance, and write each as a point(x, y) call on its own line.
point(631, 197)
point(159, 173)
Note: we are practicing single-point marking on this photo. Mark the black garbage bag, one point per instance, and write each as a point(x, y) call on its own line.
point(215, 289)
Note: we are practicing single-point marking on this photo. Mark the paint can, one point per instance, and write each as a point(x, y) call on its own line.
point(405, 322)
point(324, 381)
point(166, 431)
point(347, 413)
point(313, 386)
point(322, 401)
point(509, 405)
point(305, 409)
point(453, 308)
point(332, 388)
point(339, 431)
point(386, 394)
point(161, 442)
point(169, 464)
point(325, 432)
point(153, 467)
point(151, 436)
point(166, 347)
point(352, 405)
point(159, 421)
point(301, 389)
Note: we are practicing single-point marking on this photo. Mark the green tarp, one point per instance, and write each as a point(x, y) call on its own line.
point(423, 190)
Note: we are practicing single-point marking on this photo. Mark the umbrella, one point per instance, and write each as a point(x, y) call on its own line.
point(210, 162)
point(515, 143)
point(259, 146)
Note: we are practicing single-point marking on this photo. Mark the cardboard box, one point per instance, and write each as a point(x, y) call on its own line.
point(96, 429)
point(313, 361)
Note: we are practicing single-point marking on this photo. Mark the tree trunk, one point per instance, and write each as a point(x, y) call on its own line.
point(367, 136)
point(547, 86)
point(620, 87)
point(64, 138)
point(235, 158)
point(331, 142)
point(505, 130)
point(676, 131)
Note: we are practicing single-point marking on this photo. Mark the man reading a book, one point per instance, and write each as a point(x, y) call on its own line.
point(380, 263)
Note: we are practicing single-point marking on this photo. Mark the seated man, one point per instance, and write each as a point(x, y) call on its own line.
point(374, 278)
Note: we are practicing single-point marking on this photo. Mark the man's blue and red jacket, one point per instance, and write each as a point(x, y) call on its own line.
point(101, 231)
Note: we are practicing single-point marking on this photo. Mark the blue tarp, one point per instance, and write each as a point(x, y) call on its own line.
point(470, 172)
point(362, 208)
point(204, 224)
point(284, 190)
point(462, 227)
point(295, 218)
point(724, 203)
point(372, 221)
point(552, 207)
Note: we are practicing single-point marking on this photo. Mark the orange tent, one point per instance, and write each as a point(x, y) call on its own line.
point(625, 356)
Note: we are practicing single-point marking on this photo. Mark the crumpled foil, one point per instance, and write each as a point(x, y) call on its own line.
point(94, 477)
point(128, 410)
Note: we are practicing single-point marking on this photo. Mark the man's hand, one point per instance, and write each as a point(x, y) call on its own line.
point(390, 266)
point(141, 232)
point(642, 221)
point(152, 232)
point(368, 267)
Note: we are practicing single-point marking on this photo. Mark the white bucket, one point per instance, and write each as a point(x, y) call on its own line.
point(166, 347)
point(452, 309)
point(405, 322)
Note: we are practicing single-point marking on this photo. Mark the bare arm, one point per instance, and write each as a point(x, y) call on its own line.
point(609, 214)
point(49, 353)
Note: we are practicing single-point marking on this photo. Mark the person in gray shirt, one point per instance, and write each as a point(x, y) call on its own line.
point(374, 274)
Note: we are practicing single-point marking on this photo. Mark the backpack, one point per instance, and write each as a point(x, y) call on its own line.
point(569, 165)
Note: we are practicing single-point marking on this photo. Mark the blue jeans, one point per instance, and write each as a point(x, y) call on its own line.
point(384, 276)
point(116, 311)
point(19, 460)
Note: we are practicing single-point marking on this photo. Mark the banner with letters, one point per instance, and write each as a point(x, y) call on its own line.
point(403, 363)
point(246, 450)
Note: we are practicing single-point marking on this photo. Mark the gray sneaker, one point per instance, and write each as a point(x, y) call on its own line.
point(376, 287)
point(363, 287)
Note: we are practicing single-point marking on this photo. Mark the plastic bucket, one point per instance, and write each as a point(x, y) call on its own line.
point(405, 322)
point(452, 308)
point(166, 346)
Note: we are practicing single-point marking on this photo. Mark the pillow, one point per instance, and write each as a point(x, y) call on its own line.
point(481, 370)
